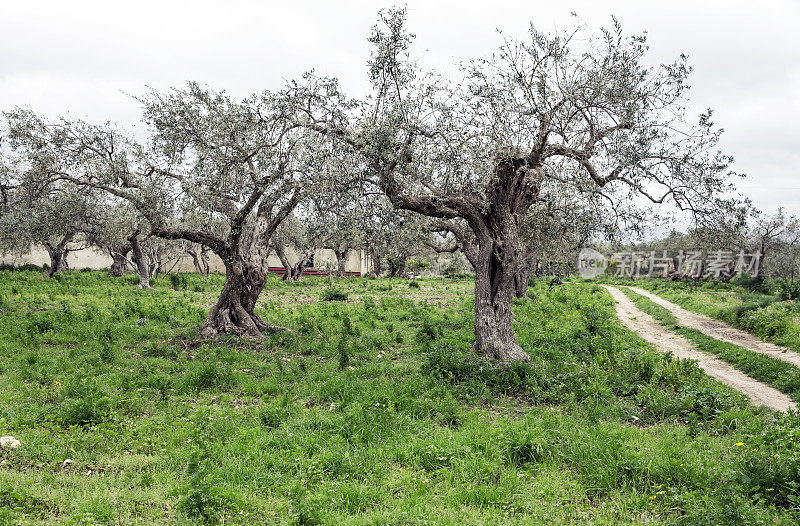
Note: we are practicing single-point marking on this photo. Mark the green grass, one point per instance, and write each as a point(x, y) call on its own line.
point(373, 411)
point(779, 374)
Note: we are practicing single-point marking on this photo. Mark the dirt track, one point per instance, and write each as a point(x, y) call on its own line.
point(722, 331)
point(666, 341)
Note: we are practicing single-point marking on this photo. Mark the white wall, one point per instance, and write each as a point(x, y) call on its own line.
point(95, 259)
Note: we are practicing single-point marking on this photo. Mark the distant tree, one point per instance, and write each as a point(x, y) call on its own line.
point(294, 233)
point(555, 230)
point(199, 255)
point(117, 220)
point(391, 237)
point(770, 232)
point(565, 110)
point(37, 212)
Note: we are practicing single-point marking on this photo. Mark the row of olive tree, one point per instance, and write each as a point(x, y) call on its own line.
point(486, 158)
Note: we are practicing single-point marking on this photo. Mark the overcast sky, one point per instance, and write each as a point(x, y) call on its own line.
point(81, 57)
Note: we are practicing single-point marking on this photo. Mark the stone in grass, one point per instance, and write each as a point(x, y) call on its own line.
point(9, 442)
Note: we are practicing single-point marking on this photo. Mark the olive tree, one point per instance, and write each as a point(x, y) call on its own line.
point(294, 233)
point(242, 163)
point(37, 212)
point(573, 109)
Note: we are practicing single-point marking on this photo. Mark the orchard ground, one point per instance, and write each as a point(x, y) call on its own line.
point(372, 410)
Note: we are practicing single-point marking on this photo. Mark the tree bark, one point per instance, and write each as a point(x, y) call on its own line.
point(119, 265)
point(397, 267)
point(119, 257)
point(204, 261)
point(492, 247)
point(290, 272)
point(521, 279)
point(525, 268)
point(496, 273)
point(58, 255)
point(234, 311)
point(196, 260)
point(376, 264)
point(138, 259)
point(341, 261)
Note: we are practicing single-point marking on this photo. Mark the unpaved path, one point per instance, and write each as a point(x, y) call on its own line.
point(665, 340)
point(723, 331)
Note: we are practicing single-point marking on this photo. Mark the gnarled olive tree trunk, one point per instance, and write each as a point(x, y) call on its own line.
point(119, 264)
point(246, 269)
point(200, 261)
point(376, 264)
point(491, 243)
point(526, 266)
point(234, 312)
point(138, 258)
point(341, 260)
point(119, 260)
point(496, 264)
point(58, 255)
point(292, 272)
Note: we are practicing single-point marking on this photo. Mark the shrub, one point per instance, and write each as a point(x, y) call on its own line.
point(458, 367)
point(788, 290)
point(418, 265)
point(751, 283)
point(334, 294)
point(429, 331)
point(178, 281)
point(455, 270)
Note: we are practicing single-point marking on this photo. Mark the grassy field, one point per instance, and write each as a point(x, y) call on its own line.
point(371, 412)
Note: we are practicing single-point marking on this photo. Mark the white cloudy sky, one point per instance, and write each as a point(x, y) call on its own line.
point(81, 57)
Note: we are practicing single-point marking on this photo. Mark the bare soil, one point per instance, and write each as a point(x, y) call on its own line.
point(666, 341)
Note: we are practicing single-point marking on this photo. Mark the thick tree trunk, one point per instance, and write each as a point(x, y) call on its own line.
point(525, 268)
point(376, 265)
point(234, 310)
point(397, 267)
point(138, 259)
point(496, 274)
point(204, 261)
point(341, 261)
point(290, 272)
point(521, 279)
point(58, 255)
point(56, 260)
point(119, 264)
point(196, 260)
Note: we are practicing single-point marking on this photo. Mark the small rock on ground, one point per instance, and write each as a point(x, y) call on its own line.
point(9, 442)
